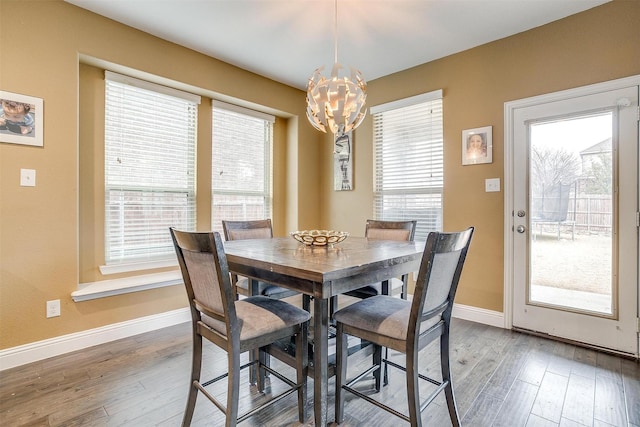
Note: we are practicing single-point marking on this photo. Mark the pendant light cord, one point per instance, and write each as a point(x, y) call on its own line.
point(335, 32)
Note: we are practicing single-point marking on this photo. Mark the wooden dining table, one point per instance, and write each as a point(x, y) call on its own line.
point(322, 272)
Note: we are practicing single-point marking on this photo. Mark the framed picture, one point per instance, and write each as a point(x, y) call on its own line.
point(477, 146)
point(21, 119)
point(343, 162)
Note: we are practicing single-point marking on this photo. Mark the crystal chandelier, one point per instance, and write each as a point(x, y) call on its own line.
point(337, 102)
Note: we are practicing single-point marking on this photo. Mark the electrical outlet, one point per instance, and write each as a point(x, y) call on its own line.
point(53, 308)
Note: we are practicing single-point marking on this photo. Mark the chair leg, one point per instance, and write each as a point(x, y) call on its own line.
point(233, 389)
point(413, 394)
point(333, 307)
point(263, 360)
point(302, 370)
point(267, 362)
point(306, 303)
point(405, 282)
point(341, 371)
point(377, 361)
point(196, 368)
point(446, 376)
point(385, 382)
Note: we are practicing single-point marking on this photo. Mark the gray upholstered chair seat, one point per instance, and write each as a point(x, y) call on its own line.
point(386, 316)
point(368, 291)
point(266, 289)
point(259, 316)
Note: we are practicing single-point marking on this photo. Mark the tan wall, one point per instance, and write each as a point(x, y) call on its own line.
point(39, 227)
point(40, 46)
point(594, 46)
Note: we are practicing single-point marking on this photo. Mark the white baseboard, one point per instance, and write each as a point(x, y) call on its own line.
point(478, 315)
point(33, 352)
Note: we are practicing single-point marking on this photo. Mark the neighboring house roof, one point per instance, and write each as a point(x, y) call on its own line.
point(600, 147)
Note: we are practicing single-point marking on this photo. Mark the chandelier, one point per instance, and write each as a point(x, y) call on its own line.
point(336, 102)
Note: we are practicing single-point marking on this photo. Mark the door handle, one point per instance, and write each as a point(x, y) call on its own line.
point(520, 229)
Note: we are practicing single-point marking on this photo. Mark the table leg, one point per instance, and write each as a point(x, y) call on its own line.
point(320, 360)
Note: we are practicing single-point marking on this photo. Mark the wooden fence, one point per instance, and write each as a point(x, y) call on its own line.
point(591, 214)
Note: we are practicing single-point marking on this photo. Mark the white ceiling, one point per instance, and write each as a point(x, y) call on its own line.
point(286, 40)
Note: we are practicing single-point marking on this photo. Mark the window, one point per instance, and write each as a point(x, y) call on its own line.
point(241, 158)
point(150, 142)
point(408, 157)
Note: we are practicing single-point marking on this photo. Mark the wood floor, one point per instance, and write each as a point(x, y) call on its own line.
point(501, 378)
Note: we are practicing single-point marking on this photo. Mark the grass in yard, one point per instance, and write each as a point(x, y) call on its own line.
point(583, 264)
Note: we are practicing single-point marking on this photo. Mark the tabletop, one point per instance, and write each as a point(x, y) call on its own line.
point(320, 270)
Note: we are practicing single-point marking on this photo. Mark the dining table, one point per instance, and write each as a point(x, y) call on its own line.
point(321, 273)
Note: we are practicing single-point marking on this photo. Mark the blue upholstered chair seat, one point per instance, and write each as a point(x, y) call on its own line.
point(395, 286)
point(266, 289)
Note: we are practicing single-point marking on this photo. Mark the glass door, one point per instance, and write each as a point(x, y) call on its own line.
point(575, 233)
point(571, 205)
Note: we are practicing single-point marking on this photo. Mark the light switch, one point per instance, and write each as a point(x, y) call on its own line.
point(492, 185)
point(27, 177)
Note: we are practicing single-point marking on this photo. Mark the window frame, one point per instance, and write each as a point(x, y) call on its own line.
point(148, 259)
point(399, 178)
point(266, 192)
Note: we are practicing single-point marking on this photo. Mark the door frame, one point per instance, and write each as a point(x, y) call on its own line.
point(509, 129)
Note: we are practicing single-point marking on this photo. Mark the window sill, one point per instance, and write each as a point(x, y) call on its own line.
point(108, 288)
point(137, 266)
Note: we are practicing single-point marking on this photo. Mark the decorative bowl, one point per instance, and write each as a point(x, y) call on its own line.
point(319, 237)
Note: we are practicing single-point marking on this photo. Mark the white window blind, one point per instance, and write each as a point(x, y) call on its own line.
point(408, 157)
point(150, 141)
point(241, 162)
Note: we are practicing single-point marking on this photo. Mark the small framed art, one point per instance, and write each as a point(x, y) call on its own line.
point(21, 119)
point(477, 146)
point(343, 162)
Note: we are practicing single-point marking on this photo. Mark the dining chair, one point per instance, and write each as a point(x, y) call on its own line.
point(252, 324)
point(253, 229)
point(407, 327)
point(387, 230)
point(383, 230)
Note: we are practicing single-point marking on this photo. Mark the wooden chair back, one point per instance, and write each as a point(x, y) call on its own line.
point(205, 272)
point(390, 230)
point(254, 229)
point(437, 283)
